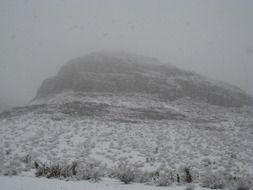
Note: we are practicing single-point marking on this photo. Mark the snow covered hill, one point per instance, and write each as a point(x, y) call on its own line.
point(138, 129)
point(145, 130)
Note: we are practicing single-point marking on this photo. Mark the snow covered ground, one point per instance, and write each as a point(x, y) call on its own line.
point(32, 183)
point(147, 132)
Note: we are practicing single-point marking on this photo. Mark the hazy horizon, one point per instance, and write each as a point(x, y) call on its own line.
point(213, 38)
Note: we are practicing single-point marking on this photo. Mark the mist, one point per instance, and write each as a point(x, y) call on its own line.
point(213, 38)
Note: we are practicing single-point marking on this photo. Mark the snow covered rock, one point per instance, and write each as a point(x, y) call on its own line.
point(117, 72)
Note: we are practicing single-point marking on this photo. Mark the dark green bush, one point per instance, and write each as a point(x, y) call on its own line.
point(56, 170)
point(188, 176)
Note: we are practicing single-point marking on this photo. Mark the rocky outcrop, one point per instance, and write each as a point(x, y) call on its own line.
point(130, 73)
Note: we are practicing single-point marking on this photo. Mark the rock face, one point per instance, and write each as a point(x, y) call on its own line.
point(130, 73)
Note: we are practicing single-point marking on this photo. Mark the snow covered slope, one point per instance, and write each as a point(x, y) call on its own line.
point(141, 129)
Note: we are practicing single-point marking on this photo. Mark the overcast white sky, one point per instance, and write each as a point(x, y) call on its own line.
point(212, 37)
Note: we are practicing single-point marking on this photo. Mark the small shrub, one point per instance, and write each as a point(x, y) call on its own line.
point(55, 171)
point(213, 181)
point(41, 170)
point(242, 184)
point(163, 180)
point(142, 177)
point(89, 172)
point(125, 173)
point(48, 171)
point(74, 165)
point(36, 165)
point(188, 176)
point(27, 159)
point(178, 178)
point(66, 171)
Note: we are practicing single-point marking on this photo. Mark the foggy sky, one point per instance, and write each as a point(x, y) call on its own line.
point(211, 37)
